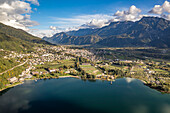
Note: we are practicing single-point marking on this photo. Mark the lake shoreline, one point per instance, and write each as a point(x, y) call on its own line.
point(19, 83)
point(11, 86)
point(78, 77)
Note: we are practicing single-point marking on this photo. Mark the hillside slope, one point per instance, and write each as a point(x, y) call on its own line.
point(63, 38)
point(17, 39)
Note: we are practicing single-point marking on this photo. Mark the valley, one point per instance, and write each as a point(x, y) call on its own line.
point(85, 56)
point(25, 57)
point(48, 61)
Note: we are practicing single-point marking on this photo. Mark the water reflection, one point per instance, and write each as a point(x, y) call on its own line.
point(13, 101)
point(129, 80)
point(74, 95)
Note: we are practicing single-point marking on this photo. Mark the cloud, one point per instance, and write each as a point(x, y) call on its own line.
point(88, 21)
point(95, 24)
point(35, 2)
point(162, 10)
point(134, 10)
point(94, 21)
point(133, 14)
point(166, 6)
point(16, 13)
point(73, 23)
point(166, 16)
point(47, 32)
point(53, 28)
point(157, 10)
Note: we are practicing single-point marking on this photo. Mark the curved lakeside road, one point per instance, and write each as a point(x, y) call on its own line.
point(14, 67)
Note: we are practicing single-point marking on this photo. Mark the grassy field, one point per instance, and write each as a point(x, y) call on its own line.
point(40, 70)
point(90, 69)
point(112, 67)
point(58, 64)
point(161, 71)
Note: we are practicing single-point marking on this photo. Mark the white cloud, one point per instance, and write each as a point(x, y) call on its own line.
point(77, 22)
point(41, 33)
point(101, 20)
point(16, 13)
point(134, 10)
point(88, 21)
point(47, 32)
point(94, 21)
point(132, 14)
point(53, 28)
point(166, 6)
point(157, 9)
point(162, 10)
point(166, 16)
point(34, 2)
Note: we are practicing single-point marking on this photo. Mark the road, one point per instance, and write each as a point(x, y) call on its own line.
point(14, 67)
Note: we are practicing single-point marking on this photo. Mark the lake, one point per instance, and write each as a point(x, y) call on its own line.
point(71, 95)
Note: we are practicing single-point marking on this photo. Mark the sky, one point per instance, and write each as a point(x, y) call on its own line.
point(47, 17)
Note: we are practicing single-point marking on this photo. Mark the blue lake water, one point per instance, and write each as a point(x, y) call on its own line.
point(71, 95)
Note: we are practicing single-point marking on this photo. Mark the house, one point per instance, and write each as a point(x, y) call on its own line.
point(112, 77)
point(21, 75)
point(95, 71)
point(13, 80)
point(52, 70)
point(151, 72)
point(105, 64)
point(35, 73)
point(86, 64)
point(21, 79)
point(67, 72)
point(27, 70)
point(126, 61)
point(98, 76)
point(132, 72)
point(45, 72)
point(28, 76)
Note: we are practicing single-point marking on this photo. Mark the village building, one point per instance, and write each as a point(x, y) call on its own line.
point(86, 64)
point(13, 80)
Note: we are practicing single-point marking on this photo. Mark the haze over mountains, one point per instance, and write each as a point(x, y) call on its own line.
point(147, 32)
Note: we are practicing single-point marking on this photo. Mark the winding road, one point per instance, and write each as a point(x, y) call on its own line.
point(14, 67)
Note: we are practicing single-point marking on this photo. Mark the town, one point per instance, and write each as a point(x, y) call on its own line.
point(48, 61)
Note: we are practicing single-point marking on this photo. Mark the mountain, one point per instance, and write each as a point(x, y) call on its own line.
point(149, 31)
point(64, 38)
point(82, 32)
point(17, 39)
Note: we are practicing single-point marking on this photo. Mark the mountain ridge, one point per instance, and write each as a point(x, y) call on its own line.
point(149, 31)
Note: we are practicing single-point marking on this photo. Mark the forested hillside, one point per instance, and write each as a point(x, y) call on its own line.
point(17, 39)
